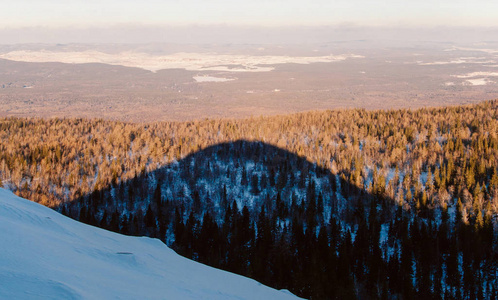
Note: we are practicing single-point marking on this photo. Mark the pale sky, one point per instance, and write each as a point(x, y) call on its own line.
point(16, 14)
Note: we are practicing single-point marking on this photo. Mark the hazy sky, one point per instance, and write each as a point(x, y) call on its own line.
point(245, 21)
point(95, 13)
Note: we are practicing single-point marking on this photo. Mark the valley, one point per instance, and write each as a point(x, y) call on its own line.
point(166, 82)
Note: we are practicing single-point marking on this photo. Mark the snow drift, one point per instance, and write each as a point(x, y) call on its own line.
point(45, 255)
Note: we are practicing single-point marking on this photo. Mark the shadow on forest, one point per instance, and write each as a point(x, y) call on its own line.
point(264, 212)
point(199, 181)
point(235, 184)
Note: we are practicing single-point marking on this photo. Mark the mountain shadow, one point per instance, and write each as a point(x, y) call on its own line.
point(250, 173)
point(264, 212)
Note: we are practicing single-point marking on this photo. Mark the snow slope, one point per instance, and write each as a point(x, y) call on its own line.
point(45, 255)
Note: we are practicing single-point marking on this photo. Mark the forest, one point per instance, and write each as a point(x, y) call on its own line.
point(386, 204)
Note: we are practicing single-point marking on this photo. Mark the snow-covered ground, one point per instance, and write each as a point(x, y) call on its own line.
point(211, 79)
point(44, 255)
point(183, 60)
point(477, 78)
point(478, 81)
point(477, 74)
point(462, 60)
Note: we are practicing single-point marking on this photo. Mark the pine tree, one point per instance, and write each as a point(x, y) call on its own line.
point(479, 223)
point(255, 184)
point(103, 221)
point(470, 178)
point(178, 227)
point(437, 178)
point(224, 198)
point(150, 218)
point(114, 222)
point(196, 202)
point(158, 197)
point(408, 195)
point(494, 180)
point(429, 186)
point(423, 200)
point(83, 217)
point(243, 180)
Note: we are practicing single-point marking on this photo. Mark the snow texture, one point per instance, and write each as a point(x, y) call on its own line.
point(45, 255)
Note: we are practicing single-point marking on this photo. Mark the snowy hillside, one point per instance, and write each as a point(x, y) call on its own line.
point(46, 255)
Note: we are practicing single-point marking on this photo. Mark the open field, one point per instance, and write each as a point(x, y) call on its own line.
point(169, 82)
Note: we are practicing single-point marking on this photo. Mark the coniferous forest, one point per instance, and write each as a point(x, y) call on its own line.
point(345, 204)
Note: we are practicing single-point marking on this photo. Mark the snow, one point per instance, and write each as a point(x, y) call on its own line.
point(46, 255)
point(462, 60)
point(478, 81)
point(435, 63)
point(477, 74)
point(211, 79)
point(181, 60)
point(489, 51)
point(477, 78)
